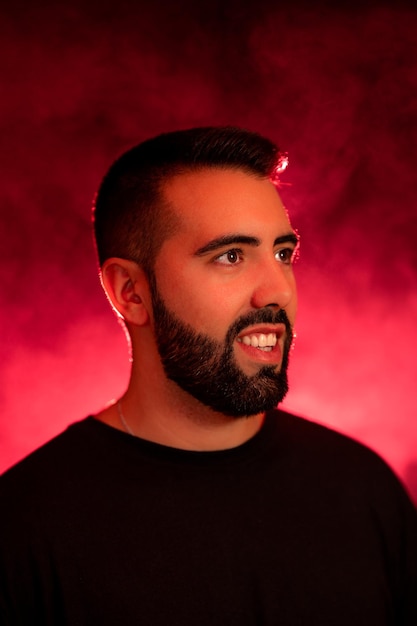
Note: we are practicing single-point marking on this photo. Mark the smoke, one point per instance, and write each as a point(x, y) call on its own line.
point(336, 87)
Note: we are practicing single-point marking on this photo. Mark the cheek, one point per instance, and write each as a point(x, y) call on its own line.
point(293, 307)
point(208, 308)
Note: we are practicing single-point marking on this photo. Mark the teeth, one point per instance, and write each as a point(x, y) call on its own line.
point(260, 340)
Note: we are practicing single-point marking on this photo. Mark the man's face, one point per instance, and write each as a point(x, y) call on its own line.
point(223, 291)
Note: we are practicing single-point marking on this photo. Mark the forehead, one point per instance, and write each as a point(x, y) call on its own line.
point(215, 201)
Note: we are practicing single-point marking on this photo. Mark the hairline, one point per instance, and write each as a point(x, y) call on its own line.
point(168, 219)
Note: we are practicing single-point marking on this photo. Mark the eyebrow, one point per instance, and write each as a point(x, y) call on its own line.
point(227, 240)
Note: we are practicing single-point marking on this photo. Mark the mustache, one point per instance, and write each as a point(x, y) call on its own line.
point(263, 316)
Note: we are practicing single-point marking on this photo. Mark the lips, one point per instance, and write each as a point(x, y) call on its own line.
point(264, 339)
point(260, 340)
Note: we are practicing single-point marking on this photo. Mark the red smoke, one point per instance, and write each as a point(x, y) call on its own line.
point(336, 87)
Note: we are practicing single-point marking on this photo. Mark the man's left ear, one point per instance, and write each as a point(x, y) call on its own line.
point(126, 286)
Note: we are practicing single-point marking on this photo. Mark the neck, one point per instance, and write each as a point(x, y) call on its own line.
point(156, 409)
point(183, 422)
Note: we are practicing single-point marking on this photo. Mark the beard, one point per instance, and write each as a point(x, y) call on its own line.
point(207, 369)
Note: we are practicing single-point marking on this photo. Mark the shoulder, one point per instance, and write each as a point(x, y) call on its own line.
point(329, 458)
point(49, 462)
point(314, 440)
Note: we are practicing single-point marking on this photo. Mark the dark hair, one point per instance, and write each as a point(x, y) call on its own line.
point(131, 216)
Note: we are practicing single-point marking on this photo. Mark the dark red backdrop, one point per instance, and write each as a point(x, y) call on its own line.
point(336, 87)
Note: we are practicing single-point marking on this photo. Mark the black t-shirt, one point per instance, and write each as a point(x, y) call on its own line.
point(298, 526)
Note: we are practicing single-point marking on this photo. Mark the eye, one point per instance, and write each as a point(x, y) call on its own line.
point(285, 255)
point(231, 257)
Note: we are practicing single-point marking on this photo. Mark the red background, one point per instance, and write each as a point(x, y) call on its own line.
point(336, 87)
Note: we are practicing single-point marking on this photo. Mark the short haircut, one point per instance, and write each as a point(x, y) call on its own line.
point(131, 216)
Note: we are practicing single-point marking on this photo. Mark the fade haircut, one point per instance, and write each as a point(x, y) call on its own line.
point(131, 216)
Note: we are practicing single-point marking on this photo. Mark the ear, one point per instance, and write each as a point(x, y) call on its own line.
point(127, 289)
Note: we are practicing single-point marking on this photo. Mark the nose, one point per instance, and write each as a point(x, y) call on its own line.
point(274, 285)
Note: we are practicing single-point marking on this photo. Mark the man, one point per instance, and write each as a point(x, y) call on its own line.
point(192, 500)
